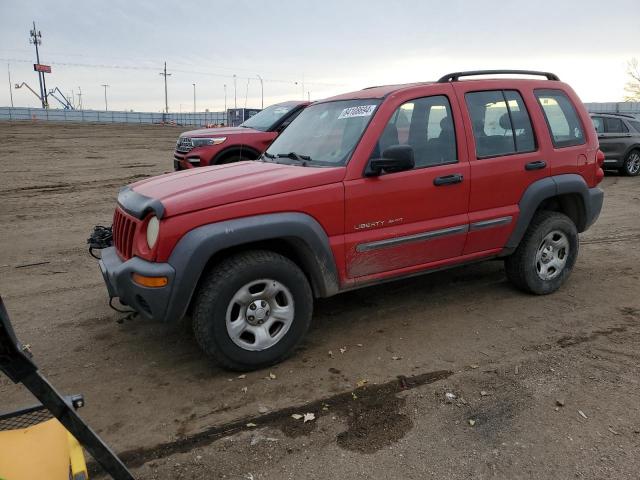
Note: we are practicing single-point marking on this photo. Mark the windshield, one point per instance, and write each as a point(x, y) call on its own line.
point(267, 118)
point(325, 133)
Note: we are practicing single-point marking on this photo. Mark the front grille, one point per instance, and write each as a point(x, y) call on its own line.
point(124, 230)
point(184, 145)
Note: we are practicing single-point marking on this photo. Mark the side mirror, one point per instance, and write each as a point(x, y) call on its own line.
point(396, 158)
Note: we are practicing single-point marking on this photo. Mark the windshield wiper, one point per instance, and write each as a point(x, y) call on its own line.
point(295, 156)
point(266, 157)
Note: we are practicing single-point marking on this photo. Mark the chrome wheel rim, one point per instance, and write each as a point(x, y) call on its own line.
point(552, 255)
point(633, 163)
point(260, 314)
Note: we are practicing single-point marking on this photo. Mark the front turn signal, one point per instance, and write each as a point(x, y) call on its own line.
point(150, 282)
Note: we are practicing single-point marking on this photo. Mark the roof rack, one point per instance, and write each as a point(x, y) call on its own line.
point(617, 114)
point(454, 77)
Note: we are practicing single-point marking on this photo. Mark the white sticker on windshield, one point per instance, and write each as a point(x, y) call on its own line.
point(361, 111)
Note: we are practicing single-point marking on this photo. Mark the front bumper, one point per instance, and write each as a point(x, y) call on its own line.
point(152, 303)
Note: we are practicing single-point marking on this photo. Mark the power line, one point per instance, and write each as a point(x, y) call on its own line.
point(190, 72)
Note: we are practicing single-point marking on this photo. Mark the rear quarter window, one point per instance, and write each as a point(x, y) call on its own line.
point(635, 124)
point(562, 118)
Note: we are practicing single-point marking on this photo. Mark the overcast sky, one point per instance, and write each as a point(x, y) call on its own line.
point(331, 46)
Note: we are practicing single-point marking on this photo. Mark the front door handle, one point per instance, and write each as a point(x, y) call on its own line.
point(448, 179)
point(537, 165)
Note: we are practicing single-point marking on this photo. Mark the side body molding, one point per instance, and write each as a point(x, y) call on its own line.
point(300, 232)
point(549, 187)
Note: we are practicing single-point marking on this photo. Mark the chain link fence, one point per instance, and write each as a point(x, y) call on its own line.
point(197, 119)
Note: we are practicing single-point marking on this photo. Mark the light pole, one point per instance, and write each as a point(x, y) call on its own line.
point(235, 91)
point(225, 98)
point(106, 106)
point(194, 97)
point(10, 91)
point(261, 92)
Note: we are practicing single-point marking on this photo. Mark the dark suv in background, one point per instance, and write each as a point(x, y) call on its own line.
point(619, 137)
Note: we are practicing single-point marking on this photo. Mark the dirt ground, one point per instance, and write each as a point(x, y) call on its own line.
point(545, 387)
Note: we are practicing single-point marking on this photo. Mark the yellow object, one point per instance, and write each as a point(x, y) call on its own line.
point(45, 451)
point(153, 282)
point(76, 458)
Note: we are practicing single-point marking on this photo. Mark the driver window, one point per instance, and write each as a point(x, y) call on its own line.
point(426, 124)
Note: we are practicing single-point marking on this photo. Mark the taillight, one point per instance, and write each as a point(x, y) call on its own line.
point(600, 158)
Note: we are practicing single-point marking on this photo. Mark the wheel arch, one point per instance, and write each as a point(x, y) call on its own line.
point(296, 236)
point(568, 194)
point(242, 150)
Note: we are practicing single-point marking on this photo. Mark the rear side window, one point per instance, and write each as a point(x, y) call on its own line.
point(598, 124)
point(614, 125)
point(501, 124)
point(635, 125)
point(562, 119)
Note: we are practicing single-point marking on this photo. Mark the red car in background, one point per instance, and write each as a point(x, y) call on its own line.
point(215, 146)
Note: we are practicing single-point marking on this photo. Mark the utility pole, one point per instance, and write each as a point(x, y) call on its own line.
point(261, 92)
point(235, 91)
point(79, 98)
point(36, 39)
point(194, 97)
point(165, 75)
point(106, 106)
point(10, 90)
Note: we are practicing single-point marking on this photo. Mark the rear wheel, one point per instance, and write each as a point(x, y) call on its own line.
point(631, 165)
point(252, 310)
point(546, 255)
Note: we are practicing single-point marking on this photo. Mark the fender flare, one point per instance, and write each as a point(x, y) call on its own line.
point(635, 146)
point(549, 187)
point(301, 232)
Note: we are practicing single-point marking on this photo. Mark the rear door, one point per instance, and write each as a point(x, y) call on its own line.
point(614, 140)
point(405, 221)
point(505, 158)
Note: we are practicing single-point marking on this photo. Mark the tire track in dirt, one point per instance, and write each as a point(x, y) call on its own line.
point(72, 187)
point(372, 411)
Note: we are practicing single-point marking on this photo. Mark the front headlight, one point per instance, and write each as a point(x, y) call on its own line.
point(203, 142)
point(153, 230)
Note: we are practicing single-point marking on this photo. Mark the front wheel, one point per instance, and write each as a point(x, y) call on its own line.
point(631, 166)
point(546, 255)
point(252, 310)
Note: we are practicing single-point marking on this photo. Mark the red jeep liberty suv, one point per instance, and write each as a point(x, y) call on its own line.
point(382, 183)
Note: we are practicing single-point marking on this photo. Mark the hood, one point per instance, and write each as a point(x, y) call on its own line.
point(219, 132)
point(206, 187)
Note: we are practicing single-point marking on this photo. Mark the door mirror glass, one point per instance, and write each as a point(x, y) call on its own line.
point(396, 158)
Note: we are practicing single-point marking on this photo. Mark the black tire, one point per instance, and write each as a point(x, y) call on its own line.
point(213, 302)
point(523, 266)
point(631, 166)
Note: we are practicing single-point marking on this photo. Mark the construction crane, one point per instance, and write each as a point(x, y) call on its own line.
point(66, 104)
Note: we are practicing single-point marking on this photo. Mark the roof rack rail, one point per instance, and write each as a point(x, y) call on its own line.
point(617, 114)
point(454, 77)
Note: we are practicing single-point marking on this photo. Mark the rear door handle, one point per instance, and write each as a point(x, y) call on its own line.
point(448, 179)
point(537, 165)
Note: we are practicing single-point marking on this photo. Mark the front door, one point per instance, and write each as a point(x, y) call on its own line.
point(404, 221)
